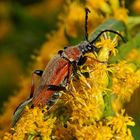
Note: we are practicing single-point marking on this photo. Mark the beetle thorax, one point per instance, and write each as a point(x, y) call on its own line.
point(72, 53)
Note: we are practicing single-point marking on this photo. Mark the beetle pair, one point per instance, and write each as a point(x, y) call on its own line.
point(59, 70)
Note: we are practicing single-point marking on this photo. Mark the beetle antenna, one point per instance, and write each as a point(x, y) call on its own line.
point(108, 30)
point(86, 23)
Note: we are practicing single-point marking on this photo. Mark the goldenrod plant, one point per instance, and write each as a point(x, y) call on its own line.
point(93, 107)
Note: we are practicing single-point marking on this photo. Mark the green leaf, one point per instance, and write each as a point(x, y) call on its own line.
point(19, 111)
point(111, 24)
point(126, 48)
point(31, 137)
point(133, 21)
point(136, 129)
point(108, 111)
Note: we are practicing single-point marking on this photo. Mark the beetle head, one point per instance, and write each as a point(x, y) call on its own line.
point(87, 47)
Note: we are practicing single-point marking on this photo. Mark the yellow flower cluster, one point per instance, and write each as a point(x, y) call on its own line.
point(68, 25)
point(134, 55)
point(80, 112)
point(32, 124)
point(126, 79)
point(107, 129)
point(107, 46)
point(101, 10)
point(111, 8)
point(136, 6)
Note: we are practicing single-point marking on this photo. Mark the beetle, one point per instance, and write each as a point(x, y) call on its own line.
point(59, 71)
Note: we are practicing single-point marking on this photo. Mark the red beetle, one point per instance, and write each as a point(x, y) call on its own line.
point(58, 72)
point(60, 69)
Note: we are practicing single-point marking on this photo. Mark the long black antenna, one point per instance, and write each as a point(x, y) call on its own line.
point(86, 23)
point(108, 30)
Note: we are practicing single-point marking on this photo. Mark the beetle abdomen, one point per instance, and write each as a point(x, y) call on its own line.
point(55, 73)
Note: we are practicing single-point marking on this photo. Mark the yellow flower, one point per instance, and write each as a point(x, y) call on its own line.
point(32, 124)
point(119, 124)
point(99, 5)
point(94, 131)
point(114, 127)
point(136, 6)
point(110, 8)
point(86, 94)
point(14, 101)
point(107, 46)
point(119, 12)
point(125, 81)
point(133, 55)
point(79, 112)
point(74, 18)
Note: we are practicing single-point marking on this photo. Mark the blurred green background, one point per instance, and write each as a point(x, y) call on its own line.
point(23, 28)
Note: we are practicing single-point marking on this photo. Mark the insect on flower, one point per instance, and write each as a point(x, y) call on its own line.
point(59, 71)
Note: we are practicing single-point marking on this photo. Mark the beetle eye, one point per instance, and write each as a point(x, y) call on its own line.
point(89, 47)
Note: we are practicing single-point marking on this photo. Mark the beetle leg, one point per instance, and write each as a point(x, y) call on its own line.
point(39, 73)
point(56, 88)
point(74, 67)
point(53, 100)
point(60, 52)
point(19, 110)
point(54, 97)
point(82, 60)
point(85, 74)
